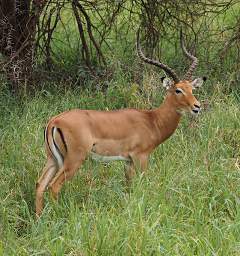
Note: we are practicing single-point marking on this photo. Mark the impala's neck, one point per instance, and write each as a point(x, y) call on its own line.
point(167, 118)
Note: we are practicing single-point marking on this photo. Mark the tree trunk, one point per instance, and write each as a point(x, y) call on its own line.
point(17, 30)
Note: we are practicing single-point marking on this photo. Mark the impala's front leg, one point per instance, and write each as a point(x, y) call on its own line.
point(129, 172)
point(139, 161)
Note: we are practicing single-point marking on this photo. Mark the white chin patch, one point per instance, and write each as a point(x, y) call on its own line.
point(102, 158)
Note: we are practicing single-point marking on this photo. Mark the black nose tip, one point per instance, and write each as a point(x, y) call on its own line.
point(196, 106)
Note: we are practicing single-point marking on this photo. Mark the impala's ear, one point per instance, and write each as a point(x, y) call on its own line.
point(167, 83)
point(198, 82)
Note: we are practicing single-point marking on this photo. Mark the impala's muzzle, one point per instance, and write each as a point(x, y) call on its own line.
point(196, 109)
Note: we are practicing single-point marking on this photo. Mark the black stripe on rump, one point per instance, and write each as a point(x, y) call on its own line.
point(63, 139)
point(56, 146)
point(46, 139)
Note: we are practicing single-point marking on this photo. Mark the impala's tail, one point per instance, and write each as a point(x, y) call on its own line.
point(56, 144)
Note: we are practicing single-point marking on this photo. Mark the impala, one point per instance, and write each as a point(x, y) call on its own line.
point(128, 134)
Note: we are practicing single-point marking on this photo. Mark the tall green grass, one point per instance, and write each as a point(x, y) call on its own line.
point(186, 204)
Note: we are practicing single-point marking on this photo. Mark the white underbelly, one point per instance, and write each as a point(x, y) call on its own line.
point(102, 158)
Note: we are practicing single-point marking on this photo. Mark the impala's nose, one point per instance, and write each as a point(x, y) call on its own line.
point(196, 108)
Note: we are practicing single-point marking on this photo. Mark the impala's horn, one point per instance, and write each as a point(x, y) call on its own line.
point(188, 75)
point(167, 69)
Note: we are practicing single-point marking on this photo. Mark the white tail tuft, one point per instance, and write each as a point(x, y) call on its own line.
point(55, 149)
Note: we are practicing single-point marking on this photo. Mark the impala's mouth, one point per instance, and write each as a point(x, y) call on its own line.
point(195, 111)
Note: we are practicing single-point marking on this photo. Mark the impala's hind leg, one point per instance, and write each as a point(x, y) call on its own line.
point(70, 167)
point(49, 172)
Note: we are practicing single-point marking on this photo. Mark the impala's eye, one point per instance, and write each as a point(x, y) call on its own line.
point(178, 91)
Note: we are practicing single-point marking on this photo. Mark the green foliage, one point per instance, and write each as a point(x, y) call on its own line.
point(186, 204)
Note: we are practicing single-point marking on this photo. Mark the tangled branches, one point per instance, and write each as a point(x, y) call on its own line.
point(29, 31)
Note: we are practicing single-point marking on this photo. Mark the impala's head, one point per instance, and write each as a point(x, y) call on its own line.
point(181, 94)
point(180, 91)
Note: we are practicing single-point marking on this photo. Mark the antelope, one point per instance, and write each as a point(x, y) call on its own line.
point(130, 135)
